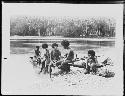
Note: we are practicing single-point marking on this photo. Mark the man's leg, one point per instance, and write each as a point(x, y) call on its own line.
point(47, 68)
point(94, 68)
point(87, 71)
point(50, 69)
point(43, 66)
point(58, 63)
point(65, 66)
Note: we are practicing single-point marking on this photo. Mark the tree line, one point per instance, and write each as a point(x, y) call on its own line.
point(91, 27)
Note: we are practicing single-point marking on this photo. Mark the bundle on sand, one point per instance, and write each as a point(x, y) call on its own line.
point(106, 71)
point(104, 68)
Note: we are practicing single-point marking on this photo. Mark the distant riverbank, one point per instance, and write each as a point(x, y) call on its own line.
point(13, 38)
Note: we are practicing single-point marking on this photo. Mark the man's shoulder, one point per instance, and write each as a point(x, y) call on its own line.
point(71, 49)
point(58, 50)
point(52, 50)
point(47, 51)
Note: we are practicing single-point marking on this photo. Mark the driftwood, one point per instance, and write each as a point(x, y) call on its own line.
point(82, 65)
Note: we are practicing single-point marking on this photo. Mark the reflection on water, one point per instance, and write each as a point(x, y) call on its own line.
point(27, 46)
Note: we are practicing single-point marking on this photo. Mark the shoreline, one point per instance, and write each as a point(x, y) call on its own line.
point(22, 38)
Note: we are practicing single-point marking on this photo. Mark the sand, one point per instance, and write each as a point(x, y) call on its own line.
point(19, 77)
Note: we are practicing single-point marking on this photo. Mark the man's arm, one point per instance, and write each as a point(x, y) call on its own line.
point(70, 55)
point(51, 55)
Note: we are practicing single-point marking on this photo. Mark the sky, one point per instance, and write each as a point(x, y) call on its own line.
point(61, 10)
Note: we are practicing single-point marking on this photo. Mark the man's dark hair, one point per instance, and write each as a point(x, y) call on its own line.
point(54, 44)
point(44, 46)
point(37, 47)
point(91, 52)
point(65, 43)
point(31, 57)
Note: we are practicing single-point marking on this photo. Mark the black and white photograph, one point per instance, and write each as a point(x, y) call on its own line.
point(62, 49)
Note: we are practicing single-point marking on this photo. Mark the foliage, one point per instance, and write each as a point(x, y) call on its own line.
point(34, 26)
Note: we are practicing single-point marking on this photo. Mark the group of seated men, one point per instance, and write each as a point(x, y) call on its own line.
point(54, 58)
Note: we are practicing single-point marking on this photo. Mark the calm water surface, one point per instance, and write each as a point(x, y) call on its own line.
point(82, 46)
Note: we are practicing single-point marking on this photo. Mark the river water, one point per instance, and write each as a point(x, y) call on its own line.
point(79, 46)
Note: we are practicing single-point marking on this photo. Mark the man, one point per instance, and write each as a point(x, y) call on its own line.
point(68, 57)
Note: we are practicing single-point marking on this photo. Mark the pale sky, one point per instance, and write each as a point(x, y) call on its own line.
point(57, 9)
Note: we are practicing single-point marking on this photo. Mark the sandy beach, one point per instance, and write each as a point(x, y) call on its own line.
point(19, 77)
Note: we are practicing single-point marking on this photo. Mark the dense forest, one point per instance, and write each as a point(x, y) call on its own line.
point(67, 27)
